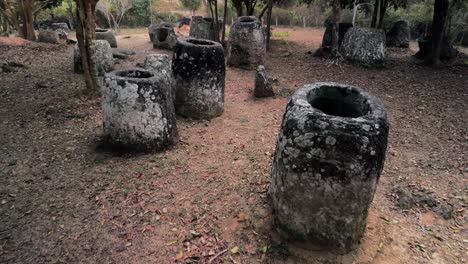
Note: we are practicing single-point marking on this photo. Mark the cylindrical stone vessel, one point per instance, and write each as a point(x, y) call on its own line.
point(246, 47)
point(199, 72)
point(202, 28)
point(138, 110)
point(329, 156)
point(106, 34)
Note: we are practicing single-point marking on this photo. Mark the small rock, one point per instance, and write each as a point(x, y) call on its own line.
point(446, 211)
point(405, 199)
point(426, 199)
point(262, 83)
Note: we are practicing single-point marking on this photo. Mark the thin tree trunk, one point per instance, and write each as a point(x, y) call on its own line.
point(268, 29)
point(262, 12)
point(375, 13)
point(383, 9)
point(86, 34)
point(26, 11)
point(216, 21)
point(223, 37)
point(437, 32)
point(336, 18)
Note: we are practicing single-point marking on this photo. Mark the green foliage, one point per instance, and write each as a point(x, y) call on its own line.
point(140, 14)
point(191, 5)
point(280, 34)
point(63, 9)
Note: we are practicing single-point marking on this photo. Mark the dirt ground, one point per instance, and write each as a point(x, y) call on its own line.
point(63, 199)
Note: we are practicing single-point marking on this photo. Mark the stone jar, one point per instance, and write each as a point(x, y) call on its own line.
point(164, 36)
point(199, 71)
point(399, 35)
point(364, 46)
point(160, 64)
point(138, 112)
point(246, 47)
point(329, 156)
point(202, 28)
point(106, 34)
point(102, 56)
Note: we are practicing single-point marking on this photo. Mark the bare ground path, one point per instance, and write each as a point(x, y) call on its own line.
point(65, 200)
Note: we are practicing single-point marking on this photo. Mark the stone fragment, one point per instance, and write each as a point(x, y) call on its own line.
point(138, 111)
point(262, 83)
point(329, 156)
point(199, 74)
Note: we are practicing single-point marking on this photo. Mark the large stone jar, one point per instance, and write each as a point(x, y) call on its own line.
point(198, 70)
point(108, 35)
point(102, 56)
point(164, 36)
point(364, 46)
point(329, 156)
point(246, 43)
point(202, 28)
point(138, 110)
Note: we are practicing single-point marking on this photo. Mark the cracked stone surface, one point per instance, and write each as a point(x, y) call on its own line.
point(364, 46)
point(246, 47)
point(138, 110)
point(329, 156)
point(199, 76)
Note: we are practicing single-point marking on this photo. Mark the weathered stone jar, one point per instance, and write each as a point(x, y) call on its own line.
point(202, 28)
point(329, 156)
point(108, 35)
point(199, 73)
point(246, 43)
point(138, 112)
point(102, 56)
point(164, 36)
point(364, 46)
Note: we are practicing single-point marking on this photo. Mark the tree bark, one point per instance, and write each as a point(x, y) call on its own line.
point(437, 31)
point(375, 13)
point(223, 37)
point(26, 11)
point(383, 10)
point(86, 34)
point(268, 29)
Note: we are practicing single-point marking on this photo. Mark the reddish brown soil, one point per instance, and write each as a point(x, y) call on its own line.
point(65, 200)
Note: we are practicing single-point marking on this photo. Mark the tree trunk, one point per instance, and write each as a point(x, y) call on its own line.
point(375, 13)
point(216, 20)
point(262, 12)
point(268, 29)
point(86, 34)
point(26, 11)
point(383, 9)
point(437, 31)
point(223, 37)
point(336, 18)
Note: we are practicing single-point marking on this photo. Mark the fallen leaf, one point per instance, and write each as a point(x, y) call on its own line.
point(234, 250)
point(180, 255)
